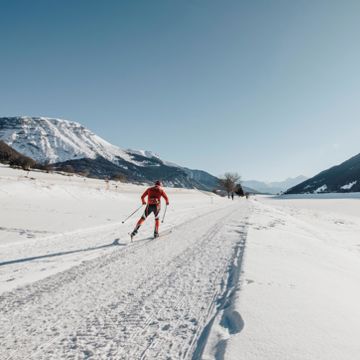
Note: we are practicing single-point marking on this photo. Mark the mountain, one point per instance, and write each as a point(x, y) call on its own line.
point(341, 178)
point(274, 187)
point(64, 143)
point(55, 140)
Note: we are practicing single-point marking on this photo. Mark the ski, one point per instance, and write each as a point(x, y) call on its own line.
point(165, 233)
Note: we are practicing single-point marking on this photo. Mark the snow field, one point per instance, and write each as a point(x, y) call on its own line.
point(88, 293)
point(266, 279)
point(300, 287)
point(50, 222)
point(148, 300)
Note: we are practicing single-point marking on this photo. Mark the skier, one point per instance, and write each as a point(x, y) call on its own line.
point(154, 195)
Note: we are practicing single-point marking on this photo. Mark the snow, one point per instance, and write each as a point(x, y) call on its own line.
point(73, 285)
point(321, 189)
point(349, 185)
point(300, 285)
point(145, 153)
point(264, 278)
point(151, 154)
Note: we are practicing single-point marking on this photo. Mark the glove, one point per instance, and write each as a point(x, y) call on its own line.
point(167, 204)
point(144, 203)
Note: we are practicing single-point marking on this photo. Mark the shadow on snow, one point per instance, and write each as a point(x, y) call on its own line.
point(17, 261)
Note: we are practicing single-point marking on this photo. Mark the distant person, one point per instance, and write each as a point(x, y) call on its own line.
point(154, 195)
point(232, 196)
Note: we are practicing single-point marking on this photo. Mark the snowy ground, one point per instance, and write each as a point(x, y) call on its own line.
point(72, 286)
point(299, 291)
point(261, 279)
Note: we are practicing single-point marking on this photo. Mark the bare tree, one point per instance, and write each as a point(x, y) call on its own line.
point(27, 163)
point(119, 177)
point(45, 167)
point(68, 169)
point(84, 173)
point(23, 162)
point(228, 182)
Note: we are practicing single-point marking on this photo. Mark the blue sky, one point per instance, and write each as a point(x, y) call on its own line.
point(269, 89)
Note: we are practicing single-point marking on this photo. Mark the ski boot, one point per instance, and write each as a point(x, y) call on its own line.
point(156, 234)
point(133, 234)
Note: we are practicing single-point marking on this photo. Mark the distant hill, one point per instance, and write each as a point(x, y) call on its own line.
point(339, 179)
point(274, 187)
point(250, 190)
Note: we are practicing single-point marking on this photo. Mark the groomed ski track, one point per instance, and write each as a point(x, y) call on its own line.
point(150, 299)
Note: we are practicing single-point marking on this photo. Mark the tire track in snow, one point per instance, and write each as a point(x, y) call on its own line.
point(149, 298)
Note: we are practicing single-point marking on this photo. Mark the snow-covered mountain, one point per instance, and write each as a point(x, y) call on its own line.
point(55, 140)
point(63, 142)
point(274, 187)
point(341, 178)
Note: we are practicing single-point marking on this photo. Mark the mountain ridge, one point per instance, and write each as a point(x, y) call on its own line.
point(63, 142)
point(274, 187)
point(341, 178)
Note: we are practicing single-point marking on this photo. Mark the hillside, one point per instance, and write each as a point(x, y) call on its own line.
point(339, 179)
point(10, 156)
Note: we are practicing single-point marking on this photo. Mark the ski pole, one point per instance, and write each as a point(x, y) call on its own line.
point(164, 214)
point(133, 213)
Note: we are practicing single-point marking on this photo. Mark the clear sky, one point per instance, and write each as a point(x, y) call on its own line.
point(269, 89)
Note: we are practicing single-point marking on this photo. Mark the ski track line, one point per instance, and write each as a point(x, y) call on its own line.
point(188, 255)
point(52, 340)
point(100, 264)
point(100, 237)
point(56, 242)
point(153, 313)
point(85, 267)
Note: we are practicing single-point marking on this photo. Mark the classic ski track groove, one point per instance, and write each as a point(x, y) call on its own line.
point(140, 323)
point(189, 254)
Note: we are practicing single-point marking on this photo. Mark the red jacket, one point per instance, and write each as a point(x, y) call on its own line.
point(154, 195)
